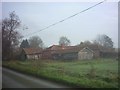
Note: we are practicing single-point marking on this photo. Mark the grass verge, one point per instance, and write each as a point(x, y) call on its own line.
point(102, 73)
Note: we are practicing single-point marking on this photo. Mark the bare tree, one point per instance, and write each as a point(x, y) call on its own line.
point(64, 41)
point(87, 42)
point(36, 42)
point(104, 41)
point(10, 36)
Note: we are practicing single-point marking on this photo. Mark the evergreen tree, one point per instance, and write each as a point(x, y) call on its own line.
point(24, 44)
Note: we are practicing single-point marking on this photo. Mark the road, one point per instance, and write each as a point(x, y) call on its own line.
point(12, 79)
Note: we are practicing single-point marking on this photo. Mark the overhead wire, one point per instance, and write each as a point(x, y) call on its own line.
point(67, 18)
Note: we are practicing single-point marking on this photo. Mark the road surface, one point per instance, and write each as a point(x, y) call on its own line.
point(12, 79)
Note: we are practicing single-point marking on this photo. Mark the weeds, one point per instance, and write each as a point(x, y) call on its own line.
point(92, 71)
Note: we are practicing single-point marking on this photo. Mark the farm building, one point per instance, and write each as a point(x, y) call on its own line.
point(77, 52)
point(74, 53)
point(85, 53)
point(31, 53)
point(48, 53)
point(58, 52)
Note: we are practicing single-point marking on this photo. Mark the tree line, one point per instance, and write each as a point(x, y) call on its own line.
point(36, 42)
point(11, 38)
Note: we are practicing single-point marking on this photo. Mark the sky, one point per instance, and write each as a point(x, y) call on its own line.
point(102, 19)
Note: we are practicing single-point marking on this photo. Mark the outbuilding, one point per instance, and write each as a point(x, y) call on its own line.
point(85, 53)
point(31, 53)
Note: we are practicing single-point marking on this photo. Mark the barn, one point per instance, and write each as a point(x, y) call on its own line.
point(58, 52)
point(82, 52)
point(85, 53)
point(74, 53)
point(31, 53)
point(54, 51)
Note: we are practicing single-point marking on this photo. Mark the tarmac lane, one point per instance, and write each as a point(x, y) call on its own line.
point(12, 79)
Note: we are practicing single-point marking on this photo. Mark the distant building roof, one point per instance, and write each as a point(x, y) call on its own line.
point(70, 49)
point(58, 47)
point(29, 51)
point(87, 49)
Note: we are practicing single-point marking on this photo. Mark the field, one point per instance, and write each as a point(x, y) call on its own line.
point(100, 73)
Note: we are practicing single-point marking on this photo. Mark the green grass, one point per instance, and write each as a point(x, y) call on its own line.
point(100, 73)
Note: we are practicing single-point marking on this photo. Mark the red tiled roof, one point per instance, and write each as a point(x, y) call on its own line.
point(32, 50)
point(59, 47)
point(69, 49)
point(66, 49)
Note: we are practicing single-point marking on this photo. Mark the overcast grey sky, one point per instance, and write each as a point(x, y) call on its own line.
point(102, 19)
